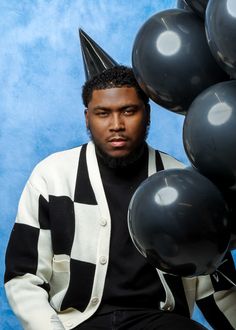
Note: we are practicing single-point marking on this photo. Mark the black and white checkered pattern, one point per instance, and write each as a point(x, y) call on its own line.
point(58, 252)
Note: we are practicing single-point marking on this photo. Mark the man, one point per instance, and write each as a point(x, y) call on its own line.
point(70, 262)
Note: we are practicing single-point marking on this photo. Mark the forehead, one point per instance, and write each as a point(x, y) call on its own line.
point(116, 95)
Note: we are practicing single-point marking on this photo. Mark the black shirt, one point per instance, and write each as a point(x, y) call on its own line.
point(131, 282)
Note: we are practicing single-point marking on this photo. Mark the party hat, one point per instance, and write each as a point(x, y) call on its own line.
point(95, 59)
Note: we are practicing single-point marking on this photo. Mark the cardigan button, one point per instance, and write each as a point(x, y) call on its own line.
point(95, 300)
point(69, 324)
point(103, 260)
point(103, 222)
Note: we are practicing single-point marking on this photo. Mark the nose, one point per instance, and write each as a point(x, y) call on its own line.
point(117, 122)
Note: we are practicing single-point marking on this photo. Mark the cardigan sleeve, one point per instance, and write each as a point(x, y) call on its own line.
point(216, 295)
point(29, 263)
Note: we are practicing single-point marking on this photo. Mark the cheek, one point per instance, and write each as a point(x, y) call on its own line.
point(138, 126)
point(97, 128)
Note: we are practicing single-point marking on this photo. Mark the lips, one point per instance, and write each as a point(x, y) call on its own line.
point(117, 142)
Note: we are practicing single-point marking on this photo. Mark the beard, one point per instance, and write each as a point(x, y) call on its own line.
point(120, 162)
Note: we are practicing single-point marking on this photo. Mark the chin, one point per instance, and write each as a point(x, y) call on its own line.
point(118, 154)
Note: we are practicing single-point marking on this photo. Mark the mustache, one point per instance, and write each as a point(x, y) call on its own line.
point(111, 137)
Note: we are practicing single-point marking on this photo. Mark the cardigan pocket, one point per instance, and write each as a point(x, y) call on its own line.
point(60, 280)
point(61, 263)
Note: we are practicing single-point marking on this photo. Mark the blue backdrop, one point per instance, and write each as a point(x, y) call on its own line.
point(41, 75)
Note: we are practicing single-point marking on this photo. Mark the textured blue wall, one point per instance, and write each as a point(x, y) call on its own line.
point(41, 74)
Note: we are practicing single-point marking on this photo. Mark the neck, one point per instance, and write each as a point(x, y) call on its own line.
point(121, 162)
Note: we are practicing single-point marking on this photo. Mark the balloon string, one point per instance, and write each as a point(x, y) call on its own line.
point(228, 279)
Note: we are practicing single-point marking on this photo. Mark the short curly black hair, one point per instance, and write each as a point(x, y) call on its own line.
point(117, 76)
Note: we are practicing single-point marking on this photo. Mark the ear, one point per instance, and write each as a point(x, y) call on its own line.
point(148, 109)
point(86, 117)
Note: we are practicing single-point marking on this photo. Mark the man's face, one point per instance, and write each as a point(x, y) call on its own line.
point(117, 120)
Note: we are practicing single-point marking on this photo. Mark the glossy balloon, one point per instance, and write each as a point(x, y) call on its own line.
point(221, 32)
point(172, 61)
point(198, 6)
point(209, 133)
point(178, 220)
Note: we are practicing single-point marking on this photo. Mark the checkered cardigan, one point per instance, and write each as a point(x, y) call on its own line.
point(58, 253)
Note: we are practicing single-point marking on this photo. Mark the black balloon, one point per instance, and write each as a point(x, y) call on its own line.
point(198, 6)
point(209, 133)
point(221, 33)
point(172, 60)
point(177, 219)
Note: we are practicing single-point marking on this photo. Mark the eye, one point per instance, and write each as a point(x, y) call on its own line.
point(102, 113)
point(129, 111)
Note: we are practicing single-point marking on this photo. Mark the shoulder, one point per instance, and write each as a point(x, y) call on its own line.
point(59, 159)
point(170, 161)
point(167, 160)
point(57, 170)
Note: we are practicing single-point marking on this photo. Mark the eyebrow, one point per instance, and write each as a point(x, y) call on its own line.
point(100, 107)
point(125, 106)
